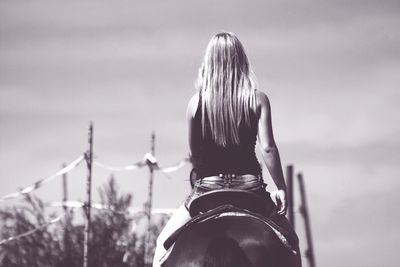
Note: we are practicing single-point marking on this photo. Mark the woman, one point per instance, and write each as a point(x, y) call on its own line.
point(225, 117)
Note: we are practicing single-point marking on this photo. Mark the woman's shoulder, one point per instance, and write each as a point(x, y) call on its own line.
point(192, 105)
point(262, 100)
point(261, 97)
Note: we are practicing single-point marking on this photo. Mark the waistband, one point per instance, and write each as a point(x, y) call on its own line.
point(246, 178)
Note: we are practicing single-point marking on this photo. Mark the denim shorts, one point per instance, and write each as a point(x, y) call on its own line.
point(248, 182)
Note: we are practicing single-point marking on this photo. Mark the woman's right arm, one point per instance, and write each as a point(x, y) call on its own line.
point(190, 113)
point(269, 149)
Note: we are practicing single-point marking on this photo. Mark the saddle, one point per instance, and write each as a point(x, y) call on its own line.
point(242, 199)
point(218, 203)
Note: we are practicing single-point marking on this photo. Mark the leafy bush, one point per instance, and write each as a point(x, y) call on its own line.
point(112, 241)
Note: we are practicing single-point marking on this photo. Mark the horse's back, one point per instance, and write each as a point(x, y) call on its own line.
point(260, 244)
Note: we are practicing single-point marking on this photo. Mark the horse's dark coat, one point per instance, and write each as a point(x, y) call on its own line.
point(259, 243)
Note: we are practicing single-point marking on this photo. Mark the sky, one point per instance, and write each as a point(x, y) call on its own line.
point(330, 68)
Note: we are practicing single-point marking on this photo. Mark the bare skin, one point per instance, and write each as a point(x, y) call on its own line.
point(190, 113)
point(270, 151)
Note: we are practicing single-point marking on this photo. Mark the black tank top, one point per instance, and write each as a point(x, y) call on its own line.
point(212, 159)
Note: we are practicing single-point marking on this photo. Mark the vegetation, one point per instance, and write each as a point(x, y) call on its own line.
point(112, 241)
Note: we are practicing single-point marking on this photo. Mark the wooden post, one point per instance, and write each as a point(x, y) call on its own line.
point(65, 192)
point(304, 212)
point(87, 206)
point(289, 182)
point(147, 257)
point(66, 248)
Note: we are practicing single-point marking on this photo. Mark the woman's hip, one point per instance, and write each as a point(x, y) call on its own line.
point(248, 182)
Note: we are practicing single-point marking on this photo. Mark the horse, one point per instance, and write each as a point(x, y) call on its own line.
point(231, 228)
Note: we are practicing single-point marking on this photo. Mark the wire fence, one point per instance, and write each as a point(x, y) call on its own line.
point(151, 162)
point(148, 160)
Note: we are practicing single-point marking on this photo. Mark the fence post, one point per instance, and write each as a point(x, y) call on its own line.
point(304, 212)
point(147, 256)
point(66, 219)
point(289, 182)
point(87, 206)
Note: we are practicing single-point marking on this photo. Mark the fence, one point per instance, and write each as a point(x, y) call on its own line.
point(151, 162)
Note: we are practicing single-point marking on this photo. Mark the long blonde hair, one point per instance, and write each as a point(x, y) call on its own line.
point(227, 87)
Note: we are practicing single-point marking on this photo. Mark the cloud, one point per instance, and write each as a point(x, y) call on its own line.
point(358, 226)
